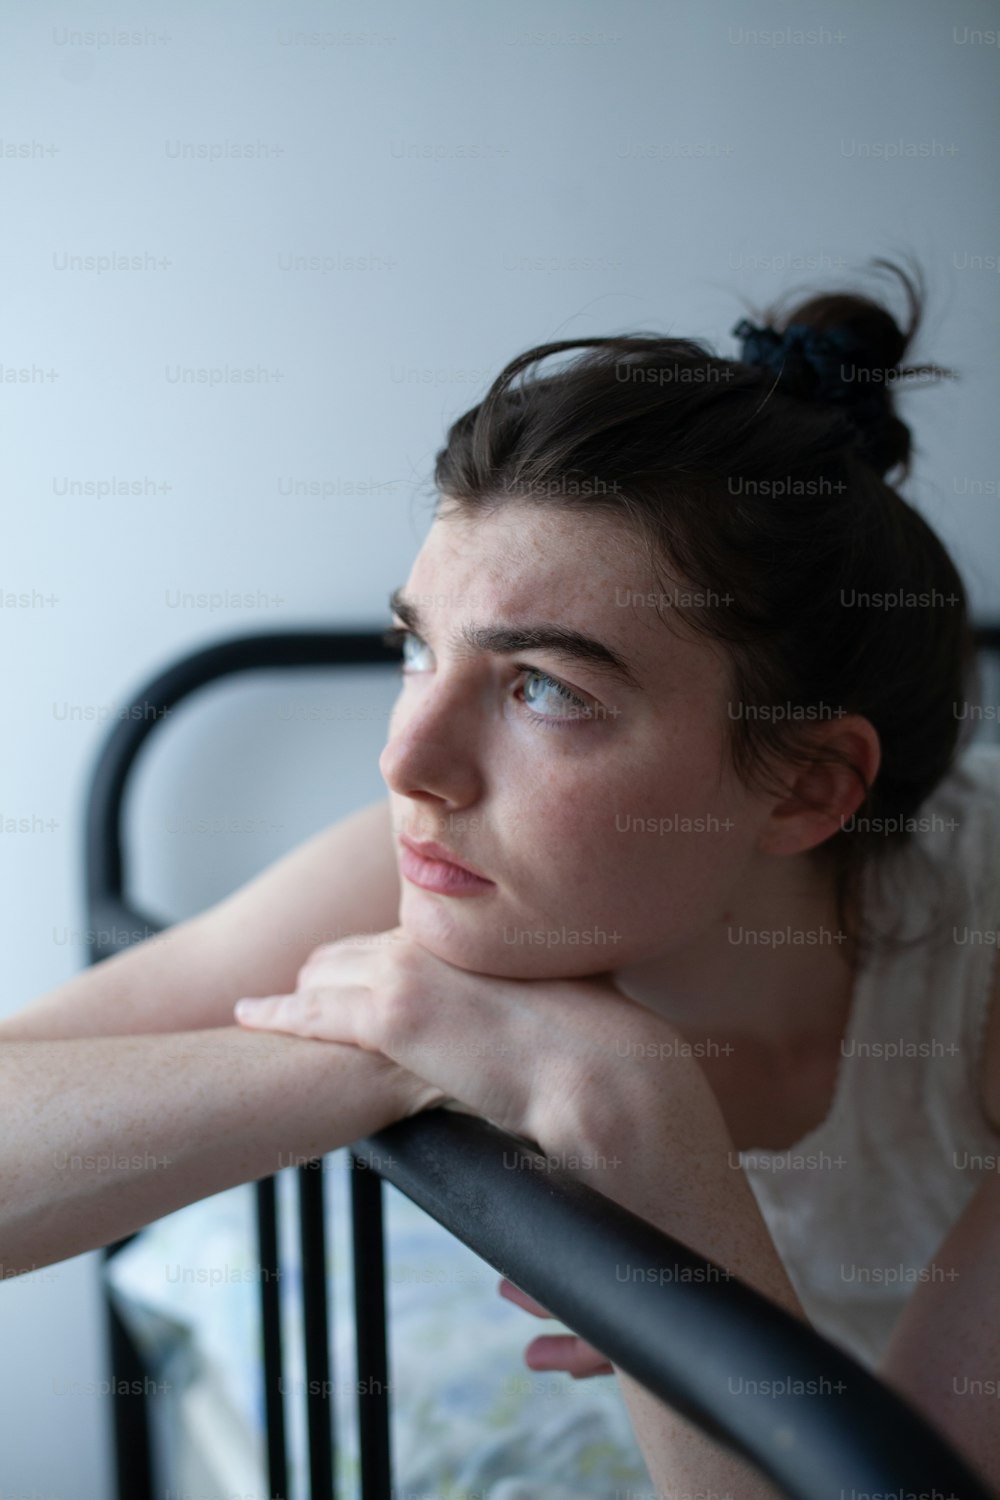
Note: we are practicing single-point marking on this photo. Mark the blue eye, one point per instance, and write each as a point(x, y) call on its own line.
point(399, 636)
point(568, 705)
point(412, 647)
point(572, 707)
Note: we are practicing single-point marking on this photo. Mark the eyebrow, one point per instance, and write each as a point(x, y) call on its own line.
point(509, 640)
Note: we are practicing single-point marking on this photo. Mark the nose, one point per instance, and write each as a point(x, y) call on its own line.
point(430, 752)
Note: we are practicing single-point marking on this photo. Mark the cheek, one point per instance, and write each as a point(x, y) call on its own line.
point(651, 849)
point(644, 847)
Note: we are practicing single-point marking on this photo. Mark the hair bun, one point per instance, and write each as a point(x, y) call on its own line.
point(847, 349)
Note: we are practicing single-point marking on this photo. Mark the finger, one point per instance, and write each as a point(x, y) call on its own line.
point(259, 1011)
point(301, 1014)
point(514, 1294)
point(569, 1353)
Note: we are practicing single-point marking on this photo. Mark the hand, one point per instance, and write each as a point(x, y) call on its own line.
point(512, 1050)
point(557, 1351)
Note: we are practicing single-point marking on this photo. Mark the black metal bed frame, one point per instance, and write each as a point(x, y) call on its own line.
point(551, 1234)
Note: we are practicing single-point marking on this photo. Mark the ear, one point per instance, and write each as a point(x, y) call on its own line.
point(819, 799)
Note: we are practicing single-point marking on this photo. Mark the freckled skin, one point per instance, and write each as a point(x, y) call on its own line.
point(534, 806)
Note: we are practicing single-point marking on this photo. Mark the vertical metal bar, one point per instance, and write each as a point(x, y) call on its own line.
point(270, 1322)
point(316, 1329)
point(370, 1325)
point(130, 1411)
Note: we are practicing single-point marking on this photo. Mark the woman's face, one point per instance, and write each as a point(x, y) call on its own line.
point(600, 805)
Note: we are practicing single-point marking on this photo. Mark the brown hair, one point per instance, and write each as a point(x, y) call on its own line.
point(751, 490)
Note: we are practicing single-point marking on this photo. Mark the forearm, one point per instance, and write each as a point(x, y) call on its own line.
point(170, 981)
point(671, 1164)
point(102, 1135)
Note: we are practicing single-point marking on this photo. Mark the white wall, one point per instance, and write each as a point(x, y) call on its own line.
point(509, 180)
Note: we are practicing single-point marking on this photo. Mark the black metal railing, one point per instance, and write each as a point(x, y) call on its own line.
point(552, 1235)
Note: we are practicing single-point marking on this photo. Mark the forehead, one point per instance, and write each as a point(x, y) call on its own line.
point(521, 559)
point(529, 565)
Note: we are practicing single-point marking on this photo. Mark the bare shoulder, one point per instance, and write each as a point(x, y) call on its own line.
point(343, 880)
point(345, 877)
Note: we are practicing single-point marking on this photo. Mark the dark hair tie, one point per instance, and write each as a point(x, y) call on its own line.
point(815, 361)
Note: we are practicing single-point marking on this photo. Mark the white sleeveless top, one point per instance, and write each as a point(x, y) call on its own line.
point(859, 1205)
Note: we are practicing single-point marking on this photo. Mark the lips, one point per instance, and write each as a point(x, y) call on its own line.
point(430, 849)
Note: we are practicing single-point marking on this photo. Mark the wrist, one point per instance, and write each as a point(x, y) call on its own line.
point(408, 1094)
point(644, 1131)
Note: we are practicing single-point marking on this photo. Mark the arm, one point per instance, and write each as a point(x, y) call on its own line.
point(944, 1353)
point(542, 1059)
point(343, 880)
point(661, 1148)
point(104, 1134)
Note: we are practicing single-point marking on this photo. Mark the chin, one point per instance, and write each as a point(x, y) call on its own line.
point(472, 939)
point(466, 944)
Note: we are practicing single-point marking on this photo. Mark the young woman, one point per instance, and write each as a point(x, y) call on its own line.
point(685, 872)
point(685, 685)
